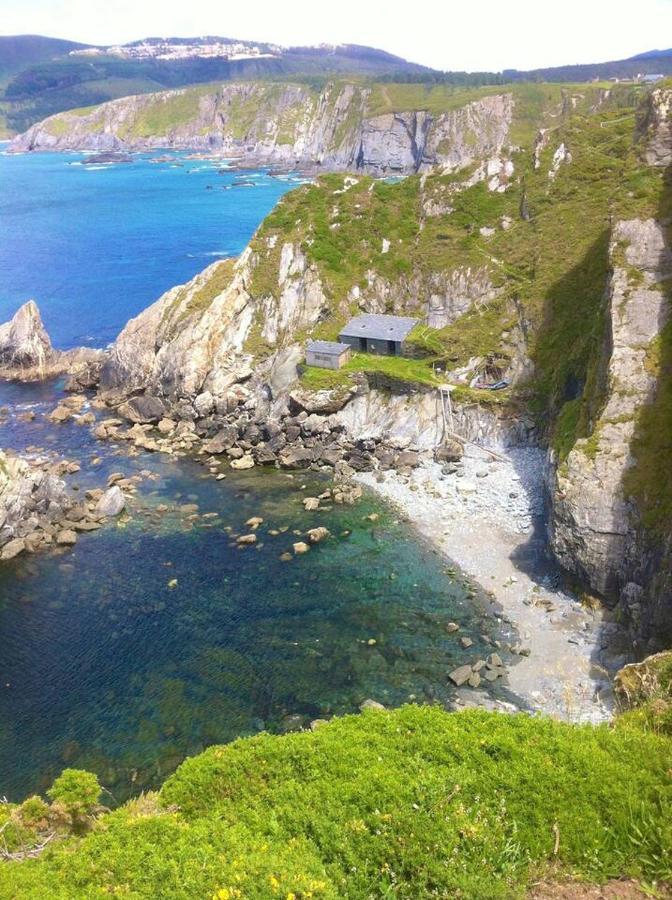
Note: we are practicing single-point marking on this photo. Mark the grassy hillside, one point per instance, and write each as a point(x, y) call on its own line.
point(412, 803)
point(548, 267)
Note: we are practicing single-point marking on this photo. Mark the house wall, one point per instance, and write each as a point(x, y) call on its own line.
point(381, 347)
point(326, 360)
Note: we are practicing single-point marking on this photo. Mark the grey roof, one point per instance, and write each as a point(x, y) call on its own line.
point(332, 348)
point(382, 328)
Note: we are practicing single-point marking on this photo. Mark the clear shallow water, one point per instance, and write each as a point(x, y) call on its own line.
point(96, 244)
point(104, 666)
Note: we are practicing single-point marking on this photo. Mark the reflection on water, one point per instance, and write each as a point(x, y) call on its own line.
point(158, 635)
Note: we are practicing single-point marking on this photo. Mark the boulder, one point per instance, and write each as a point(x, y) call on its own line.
point(408, 459)
point(60, 414)
point(361, 461)
point(324, 402)
point(263, 455)
point(204, 404)
point(245, 462)
point(370, 704)
point(111, 503)
point(451, 451)
point(461, 675)
point(295, 457)
point(67, 537)
point(315, 535)
point(144, 409)
point(13, 548)
point(222, 441)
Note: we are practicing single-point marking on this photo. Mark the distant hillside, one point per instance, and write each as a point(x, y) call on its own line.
point(22, 50)
point(74, 75)
point(42, 76)
point(652, 62)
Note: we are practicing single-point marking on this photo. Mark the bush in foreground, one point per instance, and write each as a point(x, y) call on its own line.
point(411, 803)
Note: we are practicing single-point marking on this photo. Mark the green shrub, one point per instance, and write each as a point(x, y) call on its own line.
point(77, 791)
point(412, 803)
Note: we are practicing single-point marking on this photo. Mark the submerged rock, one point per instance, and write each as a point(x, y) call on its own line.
point(300, 547)
point(316, 535)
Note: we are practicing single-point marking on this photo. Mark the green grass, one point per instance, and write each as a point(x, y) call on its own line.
point(166, 113)
point(397, 368)
point(412, 803)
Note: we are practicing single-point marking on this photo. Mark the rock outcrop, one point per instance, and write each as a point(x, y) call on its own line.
point(30, 497)
point(24, 342)
point(655, 128)
point(199, 338)
point(285, 124)
point(595, 530)
point(26, 353)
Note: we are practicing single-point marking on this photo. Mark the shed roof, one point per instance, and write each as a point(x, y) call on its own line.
point(382, 328)
point(331, 348)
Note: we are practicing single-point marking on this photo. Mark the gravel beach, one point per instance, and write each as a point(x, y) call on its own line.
point(487, 516)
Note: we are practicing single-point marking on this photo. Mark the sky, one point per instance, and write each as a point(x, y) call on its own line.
point(477, 35)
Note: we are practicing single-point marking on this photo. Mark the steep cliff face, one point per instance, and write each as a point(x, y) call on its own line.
point(287, 124)
point(655, 127)
point(202, 336)
point(612, 504)
point(592, 521)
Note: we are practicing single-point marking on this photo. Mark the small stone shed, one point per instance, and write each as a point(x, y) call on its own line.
point(372, 333)
point(327, 354)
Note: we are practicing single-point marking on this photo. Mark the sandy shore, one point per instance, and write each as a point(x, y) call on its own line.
point(488, 518)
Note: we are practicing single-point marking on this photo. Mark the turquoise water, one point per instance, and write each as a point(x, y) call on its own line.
point(157, 635)
point(104, 666)
point(96, 244)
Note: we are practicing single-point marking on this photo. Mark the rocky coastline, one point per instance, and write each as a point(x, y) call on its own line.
point(357, 440)
point(285, 125)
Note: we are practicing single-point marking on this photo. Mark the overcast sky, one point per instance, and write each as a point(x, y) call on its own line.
point(484, 34)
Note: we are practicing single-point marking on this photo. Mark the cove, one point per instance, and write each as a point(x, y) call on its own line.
point(106, 666)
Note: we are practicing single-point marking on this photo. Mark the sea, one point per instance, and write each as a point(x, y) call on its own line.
point(95, 243)
point(157, 635)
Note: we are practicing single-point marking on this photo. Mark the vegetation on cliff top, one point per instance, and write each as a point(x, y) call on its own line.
point(547, 269)
point(416, 802)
